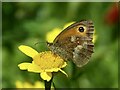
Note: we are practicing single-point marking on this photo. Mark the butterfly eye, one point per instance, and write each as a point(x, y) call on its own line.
point(81, 29)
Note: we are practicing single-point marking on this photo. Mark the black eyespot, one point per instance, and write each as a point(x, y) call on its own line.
point(81, 29)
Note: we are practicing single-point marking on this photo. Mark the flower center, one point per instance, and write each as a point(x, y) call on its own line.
point(48, 60)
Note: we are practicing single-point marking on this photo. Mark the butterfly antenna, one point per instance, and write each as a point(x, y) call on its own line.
point(39, 42)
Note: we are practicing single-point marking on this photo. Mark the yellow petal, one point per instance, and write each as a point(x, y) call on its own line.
point(52, 34)
point(34, 68)
point(39, 84)
point(28, 50)
point(52, 70)
point(27, 85)
point(94, 38)
point(24, 66)
point(63, 72)
point(64, 65)
point(46, 76)
point(68, 24)
point(19, 84)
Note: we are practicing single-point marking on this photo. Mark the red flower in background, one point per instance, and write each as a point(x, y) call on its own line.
point(112, 15)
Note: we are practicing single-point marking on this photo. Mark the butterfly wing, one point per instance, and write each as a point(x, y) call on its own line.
point(73, 44)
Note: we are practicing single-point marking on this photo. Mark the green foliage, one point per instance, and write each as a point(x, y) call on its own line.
point(28, 23)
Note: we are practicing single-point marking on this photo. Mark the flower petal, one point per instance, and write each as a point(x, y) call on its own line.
point(46, 76)
point(64, 65)
point(52, 34)
point(39, 84)
point(27, 85)
point(63, 72)
point(24, 66)
point(19, 84)
point(34, 68)
point(68, 24)
point(28, 50)
point(52, 70)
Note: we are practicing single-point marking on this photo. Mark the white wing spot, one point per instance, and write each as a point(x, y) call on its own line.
point(77, 50)
point(73, 38)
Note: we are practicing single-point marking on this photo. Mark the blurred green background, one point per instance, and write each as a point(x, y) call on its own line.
point(28, 23)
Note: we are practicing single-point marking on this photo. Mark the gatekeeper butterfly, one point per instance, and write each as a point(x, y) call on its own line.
point(75, 42)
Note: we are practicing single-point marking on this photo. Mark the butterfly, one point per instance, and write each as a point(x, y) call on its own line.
point(75, 42)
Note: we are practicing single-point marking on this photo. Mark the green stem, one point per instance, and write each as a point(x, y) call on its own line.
point(48, 84)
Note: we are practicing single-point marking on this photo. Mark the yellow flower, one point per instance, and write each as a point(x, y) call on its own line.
point(37, 84)
point(52, 34)
point(44, 63)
